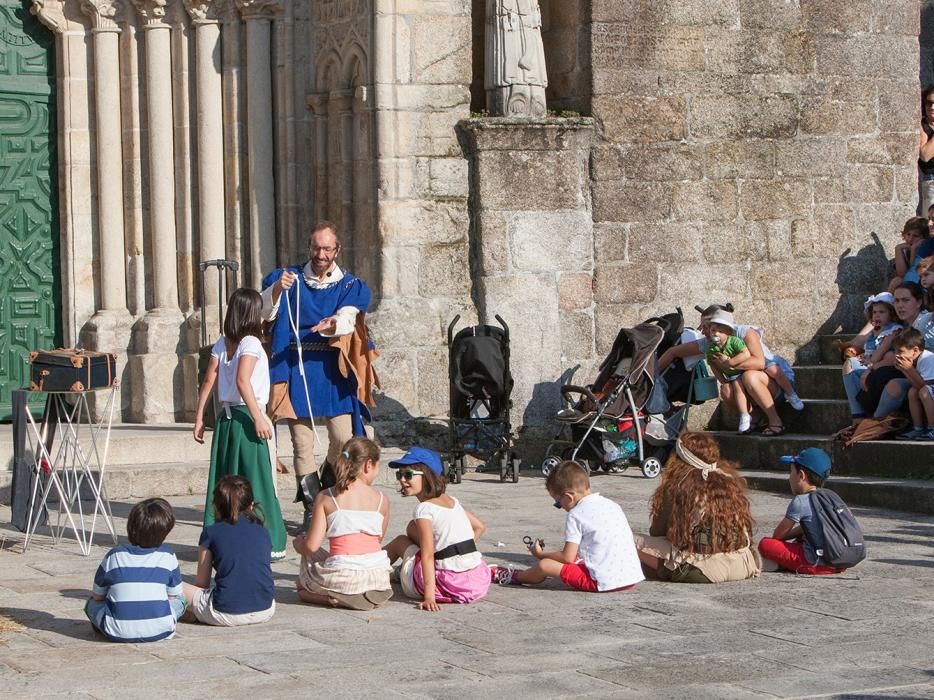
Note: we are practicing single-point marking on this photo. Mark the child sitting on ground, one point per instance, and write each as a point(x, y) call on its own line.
point(440, 561)
point(353, 572)
point(237, 547)
point(799, 536)
point(599, 552)
point(137, 594)
point(917, 364)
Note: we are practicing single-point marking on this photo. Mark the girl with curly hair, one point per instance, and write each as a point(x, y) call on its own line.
point(701, 529)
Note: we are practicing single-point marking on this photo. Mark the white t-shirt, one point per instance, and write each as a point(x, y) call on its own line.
point(925, 365)
point(227, 392)
point(449, 526)
point(600, 529)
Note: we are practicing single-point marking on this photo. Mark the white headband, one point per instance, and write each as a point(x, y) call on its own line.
point(882, 298)
point(687, 456)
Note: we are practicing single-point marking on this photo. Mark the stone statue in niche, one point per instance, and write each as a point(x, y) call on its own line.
point(515, 77)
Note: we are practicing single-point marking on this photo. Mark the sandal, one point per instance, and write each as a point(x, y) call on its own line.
point(773, 431)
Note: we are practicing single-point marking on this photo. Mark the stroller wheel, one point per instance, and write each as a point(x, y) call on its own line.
point(549, 464)
point(651, 467)
point(515, 463)
point(456, 471)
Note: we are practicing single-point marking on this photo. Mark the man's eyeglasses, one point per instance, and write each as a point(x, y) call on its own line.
point(407, 474)
point(328, 249)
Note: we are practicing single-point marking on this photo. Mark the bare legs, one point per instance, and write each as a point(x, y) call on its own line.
point(761, 390)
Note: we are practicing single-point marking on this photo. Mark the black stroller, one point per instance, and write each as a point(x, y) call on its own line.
point(480, 391)
point(608, 426)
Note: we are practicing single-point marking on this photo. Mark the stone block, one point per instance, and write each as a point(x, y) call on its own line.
point(436, 8)
point(869, 183)
point(408, 222)
point(824, 115)
point(631, 201)
point(906, 184)
point(800, 52)
point(625, 283)
point(609, 318)
point(447, 178)
point(689, 284)
point(674, 49)
point(720, 13)
point(897, 17)
point(888, 149)
point(898, 106)
point(520, 134)
point(432, 382)
point(441, 49)
point(770, 15)
point(664, 242)
point(780, 280)
point(577, 336)
point(406, 322)
point(748, 159)
point(749, 51)
point(492, 245)
point(762, 237)
point(575, 291)
point(641, 119)
point(610, 241)
point(156, 387)
point(444, 271)
point(730, 243)
point(705, 201)
point(665, 162)
point(607, 162)
point(396, 266)
point(872, 55)
point(810, 157)
point(728, 117)
point(550, 241)
point(513, 180)
point(830, 17)
point(885, 220)
point(827, 190)
point(774, 199)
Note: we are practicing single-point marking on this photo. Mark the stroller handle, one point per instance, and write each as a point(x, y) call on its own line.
point(573, 389)
point(664, 324)
point(451, 329)
point(503, 324)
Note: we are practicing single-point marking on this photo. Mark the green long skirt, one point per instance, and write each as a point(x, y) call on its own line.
point(236, 449)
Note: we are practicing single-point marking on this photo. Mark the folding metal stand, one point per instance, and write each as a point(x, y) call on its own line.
point(78, 463)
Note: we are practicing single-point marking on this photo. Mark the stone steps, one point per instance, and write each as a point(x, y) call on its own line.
point(819, 417)
point(909, 495)
point(881, 458)
point(820, 382)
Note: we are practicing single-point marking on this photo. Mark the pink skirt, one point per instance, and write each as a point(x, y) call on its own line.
point(450, 586)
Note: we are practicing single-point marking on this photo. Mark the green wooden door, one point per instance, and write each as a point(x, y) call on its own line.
point(30, 289)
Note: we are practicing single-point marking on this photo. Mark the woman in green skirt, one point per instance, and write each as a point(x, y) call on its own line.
point(240, 369)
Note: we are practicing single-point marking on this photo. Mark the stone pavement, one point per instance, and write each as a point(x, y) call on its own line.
point(865, 634)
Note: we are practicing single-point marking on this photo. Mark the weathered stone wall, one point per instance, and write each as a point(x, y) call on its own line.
point(752, 151)
point(566, 35)
point(926, 40)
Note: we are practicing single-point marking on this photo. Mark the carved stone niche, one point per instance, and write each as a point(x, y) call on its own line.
point(515, 76)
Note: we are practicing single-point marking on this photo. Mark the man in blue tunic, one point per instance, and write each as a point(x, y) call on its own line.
point(321, 302)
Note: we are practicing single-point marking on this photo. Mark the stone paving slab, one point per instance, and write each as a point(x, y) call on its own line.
point(867, 633)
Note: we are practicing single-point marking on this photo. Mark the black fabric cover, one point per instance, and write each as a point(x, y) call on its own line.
point(480, 370)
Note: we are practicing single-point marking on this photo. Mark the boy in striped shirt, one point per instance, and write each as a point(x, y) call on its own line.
point(137, 594)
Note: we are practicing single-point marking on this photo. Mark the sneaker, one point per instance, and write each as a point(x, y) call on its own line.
point(795, 401)
point(914, 434)
point(503, 575)
point(745, 421)
point(928, 434)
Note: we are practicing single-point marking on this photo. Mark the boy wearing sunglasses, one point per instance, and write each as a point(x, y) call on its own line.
point(599, 553)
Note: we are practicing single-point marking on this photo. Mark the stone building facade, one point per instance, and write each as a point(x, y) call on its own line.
point(749, 151)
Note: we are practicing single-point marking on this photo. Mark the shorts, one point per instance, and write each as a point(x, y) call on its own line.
point(96, 609)
point(202, 607)
point(450, 586)
point(727, 380)
point(578, 577)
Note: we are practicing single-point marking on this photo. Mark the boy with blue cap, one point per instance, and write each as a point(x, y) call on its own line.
point(794, 544)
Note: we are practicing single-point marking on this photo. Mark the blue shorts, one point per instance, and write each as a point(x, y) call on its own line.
point(95, 610)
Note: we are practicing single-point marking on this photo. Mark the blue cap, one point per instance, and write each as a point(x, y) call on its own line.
point(419, 455)
point(814, 459)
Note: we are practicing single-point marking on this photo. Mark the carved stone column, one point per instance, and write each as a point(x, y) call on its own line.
point(318, 104)
point(157, 396)
point(233, 127)
point(210, 129)
point(258, 15)
point(340, 166)
point(109, 328)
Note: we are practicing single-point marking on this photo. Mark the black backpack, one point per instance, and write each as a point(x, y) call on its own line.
point(843, 537)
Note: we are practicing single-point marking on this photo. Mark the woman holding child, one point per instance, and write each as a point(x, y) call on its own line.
point(766, 377)
point(701, 529)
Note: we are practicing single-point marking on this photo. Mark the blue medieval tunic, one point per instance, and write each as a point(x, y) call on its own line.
point(331, 393)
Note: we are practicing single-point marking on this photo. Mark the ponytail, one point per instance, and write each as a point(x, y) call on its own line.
point(233, 497)
point(355, 453)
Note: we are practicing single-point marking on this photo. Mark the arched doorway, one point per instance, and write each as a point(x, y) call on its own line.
point(30, 282)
